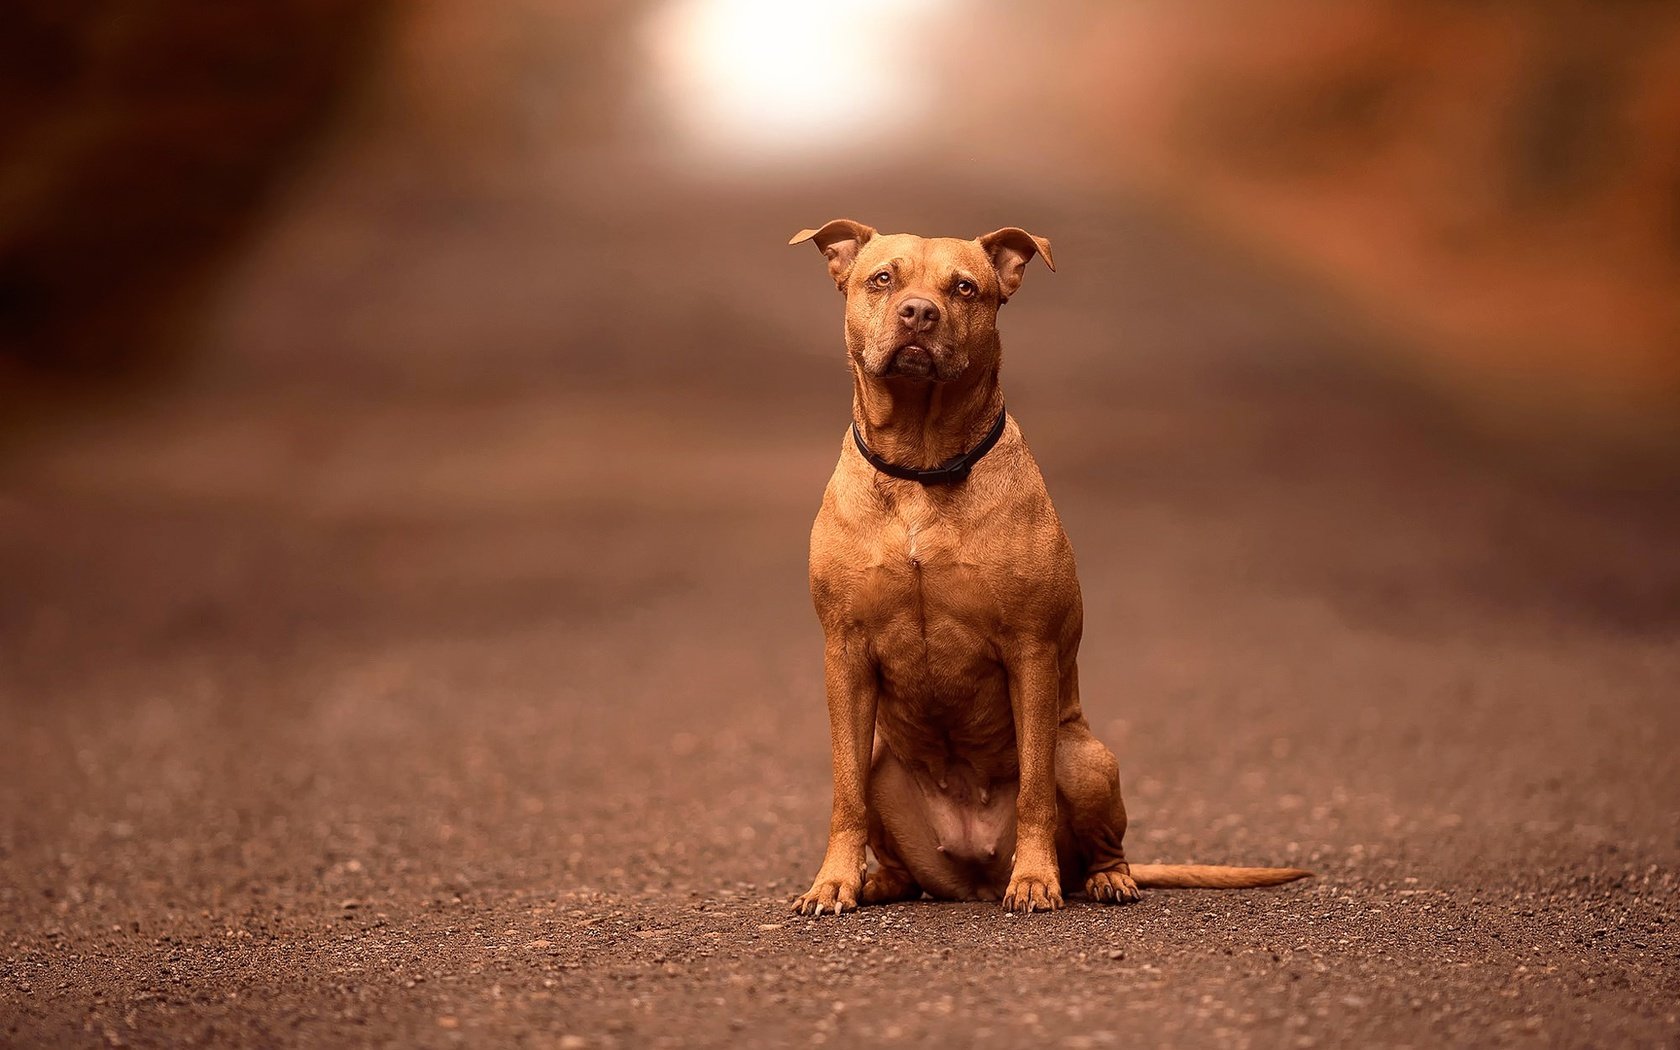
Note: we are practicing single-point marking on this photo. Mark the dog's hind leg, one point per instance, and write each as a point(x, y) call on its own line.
point(1093, 815)
point(890, 880)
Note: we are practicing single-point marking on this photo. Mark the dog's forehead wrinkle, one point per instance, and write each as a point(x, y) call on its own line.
point(909, 251)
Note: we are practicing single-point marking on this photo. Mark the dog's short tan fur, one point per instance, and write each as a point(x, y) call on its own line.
point(952, 613)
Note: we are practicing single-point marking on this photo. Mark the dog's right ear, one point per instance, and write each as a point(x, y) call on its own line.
point(839, 242)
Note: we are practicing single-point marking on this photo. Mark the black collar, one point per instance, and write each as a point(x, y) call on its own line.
point(949, 472)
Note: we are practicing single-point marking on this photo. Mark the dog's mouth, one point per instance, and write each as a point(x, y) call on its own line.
point(914, 356)
point(913, 361)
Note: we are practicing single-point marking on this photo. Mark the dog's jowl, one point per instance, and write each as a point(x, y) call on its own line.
point(951, 610)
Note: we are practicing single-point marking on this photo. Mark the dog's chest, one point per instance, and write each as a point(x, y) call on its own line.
point(920, 575)
point(924, 600)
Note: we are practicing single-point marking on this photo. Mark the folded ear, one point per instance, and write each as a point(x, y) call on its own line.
point(839, 242)
point(1011, 248)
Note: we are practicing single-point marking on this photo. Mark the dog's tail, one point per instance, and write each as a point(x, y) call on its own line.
point(1211, 876)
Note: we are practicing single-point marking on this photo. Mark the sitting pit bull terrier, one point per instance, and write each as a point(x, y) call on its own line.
point(951, 610)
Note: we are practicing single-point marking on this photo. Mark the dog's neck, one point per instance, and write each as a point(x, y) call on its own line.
point(921, 424)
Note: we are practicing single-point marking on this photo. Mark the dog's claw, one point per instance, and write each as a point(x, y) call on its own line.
point(1112, 887)
point(1027, 895)
point(837, 895)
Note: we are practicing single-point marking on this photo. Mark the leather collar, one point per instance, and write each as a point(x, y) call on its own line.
point(950, 472)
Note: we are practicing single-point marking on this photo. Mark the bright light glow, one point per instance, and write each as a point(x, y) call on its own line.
point(783, 75)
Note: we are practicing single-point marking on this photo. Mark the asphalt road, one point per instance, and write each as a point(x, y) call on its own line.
point(390, 699)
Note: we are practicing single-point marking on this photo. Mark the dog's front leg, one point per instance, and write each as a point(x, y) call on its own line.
point(1035, 699)
point(851, 723)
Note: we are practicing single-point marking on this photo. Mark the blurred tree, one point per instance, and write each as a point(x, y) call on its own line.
point(138, 142)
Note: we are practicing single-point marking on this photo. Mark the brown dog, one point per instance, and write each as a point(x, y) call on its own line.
point(951, 610)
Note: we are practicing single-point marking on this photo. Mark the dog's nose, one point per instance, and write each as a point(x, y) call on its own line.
point(918, 315)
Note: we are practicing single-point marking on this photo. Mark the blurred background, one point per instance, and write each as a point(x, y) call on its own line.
point(411, 416)
point(351, 191)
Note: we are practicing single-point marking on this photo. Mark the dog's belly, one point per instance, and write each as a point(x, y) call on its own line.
point(956, 839)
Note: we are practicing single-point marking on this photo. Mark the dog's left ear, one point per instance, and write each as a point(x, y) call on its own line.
point(1011, 248)
point(839, 241)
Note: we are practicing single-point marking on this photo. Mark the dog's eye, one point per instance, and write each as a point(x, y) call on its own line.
point(966, 289)
point(882, 279)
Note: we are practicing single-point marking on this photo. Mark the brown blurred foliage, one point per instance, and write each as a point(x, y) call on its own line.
point(139, 141)
point(1500, 181)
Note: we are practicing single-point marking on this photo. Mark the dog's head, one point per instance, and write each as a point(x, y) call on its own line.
point(923, 308)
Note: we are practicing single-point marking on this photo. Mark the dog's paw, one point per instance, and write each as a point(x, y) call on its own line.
point(1028, 893)
point(1112, 887)
point(829, 895)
